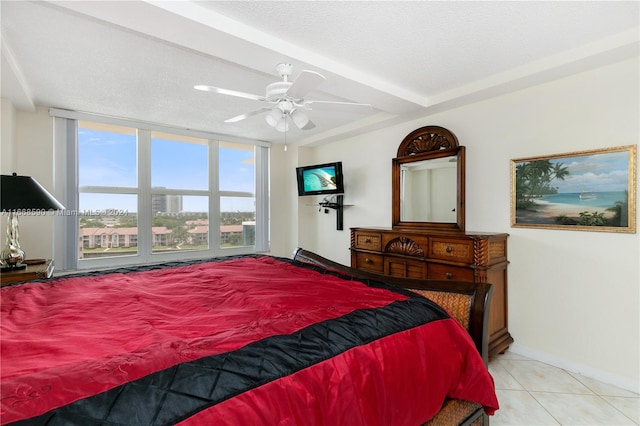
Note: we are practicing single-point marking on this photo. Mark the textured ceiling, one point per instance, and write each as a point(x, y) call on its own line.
point(140, 60)
point(432, 47)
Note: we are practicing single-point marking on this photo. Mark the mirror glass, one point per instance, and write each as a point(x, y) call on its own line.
point(429, 190)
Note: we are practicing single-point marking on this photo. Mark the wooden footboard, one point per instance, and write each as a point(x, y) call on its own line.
point(467, 302)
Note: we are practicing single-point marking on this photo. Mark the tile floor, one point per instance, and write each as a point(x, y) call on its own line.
point(534, 393)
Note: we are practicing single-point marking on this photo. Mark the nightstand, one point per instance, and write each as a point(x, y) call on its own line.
point(36, 270)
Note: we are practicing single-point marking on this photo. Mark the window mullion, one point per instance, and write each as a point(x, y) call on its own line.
point(235, 194)
point(262, 199)
point(145, 236)
point(165, 191)
point(66, 233)
point(214, 197)
point(107, 190)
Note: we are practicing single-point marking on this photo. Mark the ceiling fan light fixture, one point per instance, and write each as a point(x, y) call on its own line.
point(299, 118)
point(273, 117)
point(283, 124)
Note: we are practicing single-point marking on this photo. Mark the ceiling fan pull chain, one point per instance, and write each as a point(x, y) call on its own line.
point(285, 138)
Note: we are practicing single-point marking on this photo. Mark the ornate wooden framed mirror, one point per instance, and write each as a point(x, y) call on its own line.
point(428, 181)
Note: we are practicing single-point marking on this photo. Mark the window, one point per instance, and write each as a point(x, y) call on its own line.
point(160, 194)
point(179, 192)
point(237, 202)
point(107, 190)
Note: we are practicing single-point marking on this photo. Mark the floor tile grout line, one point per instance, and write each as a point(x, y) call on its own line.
point(589, 388)
point(573, 375)
point(561, 369)
point(616, 408)
point(593, 391)
point(581, 394)
point(529, 393)
point(602, 397)
point(511, 375)
point(602, 394)
point(544, 408)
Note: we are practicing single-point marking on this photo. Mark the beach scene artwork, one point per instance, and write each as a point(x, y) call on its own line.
point(588, 190)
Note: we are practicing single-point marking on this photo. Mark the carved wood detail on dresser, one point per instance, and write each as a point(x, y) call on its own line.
point(461, 256)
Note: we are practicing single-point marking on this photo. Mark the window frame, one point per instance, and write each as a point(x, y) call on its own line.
point(67, 235)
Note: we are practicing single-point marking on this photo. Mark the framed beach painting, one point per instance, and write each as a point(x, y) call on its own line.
point(585, 191)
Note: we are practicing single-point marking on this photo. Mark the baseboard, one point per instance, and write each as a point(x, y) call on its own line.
point(593, 373)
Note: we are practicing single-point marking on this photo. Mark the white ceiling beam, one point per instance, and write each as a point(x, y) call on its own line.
point(238, 43)
point(608, 50)
point(13, 83)
point(198, 13)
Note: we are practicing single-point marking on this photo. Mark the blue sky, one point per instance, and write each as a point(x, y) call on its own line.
point(109, 158)
point(605, 172)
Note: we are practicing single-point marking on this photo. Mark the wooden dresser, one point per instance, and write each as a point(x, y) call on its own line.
point(454, 255)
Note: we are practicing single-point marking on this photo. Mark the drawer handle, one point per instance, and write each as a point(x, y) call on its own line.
point(448, 249)
point(367, 260)
point(449, 275)
point(367, 240)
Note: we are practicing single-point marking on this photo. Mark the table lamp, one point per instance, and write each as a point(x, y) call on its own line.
point(21, 195)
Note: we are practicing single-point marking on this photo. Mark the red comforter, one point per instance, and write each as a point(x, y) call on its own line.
point(246, 340)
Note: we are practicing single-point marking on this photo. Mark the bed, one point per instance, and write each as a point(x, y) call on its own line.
point(243, 340)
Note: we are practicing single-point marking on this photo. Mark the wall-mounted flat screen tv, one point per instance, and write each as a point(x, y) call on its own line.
point(320, 179)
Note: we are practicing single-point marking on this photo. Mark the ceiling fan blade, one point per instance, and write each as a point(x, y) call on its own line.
point(247, 115)
point(306, 82)
point(308, 126)
point(229, 92)
point(339, 106)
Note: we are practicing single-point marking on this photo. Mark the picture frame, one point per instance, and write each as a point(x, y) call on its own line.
point(583, 191)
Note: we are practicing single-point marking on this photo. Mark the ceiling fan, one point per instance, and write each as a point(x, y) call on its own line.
point(287, 100)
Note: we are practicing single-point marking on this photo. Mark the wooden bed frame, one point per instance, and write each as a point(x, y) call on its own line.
point(467, 302)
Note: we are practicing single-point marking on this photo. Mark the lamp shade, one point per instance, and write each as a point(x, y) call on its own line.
point(283, 124)
point(273, 117)
point(24, 192)
point(300, 118)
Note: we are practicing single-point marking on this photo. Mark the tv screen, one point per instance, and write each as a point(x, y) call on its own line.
point(320, 179)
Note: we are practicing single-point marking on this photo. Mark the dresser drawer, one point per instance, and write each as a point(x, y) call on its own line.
point(371, 262)
point(447, 272)
point(451, 249)
point(367, 241)
point(405, 268)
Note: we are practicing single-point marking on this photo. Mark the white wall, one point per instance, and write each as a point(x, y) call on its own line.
point(7, 157)
point(7, 137)
point(574, 297)
point(27, 149)
point(283, 196)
